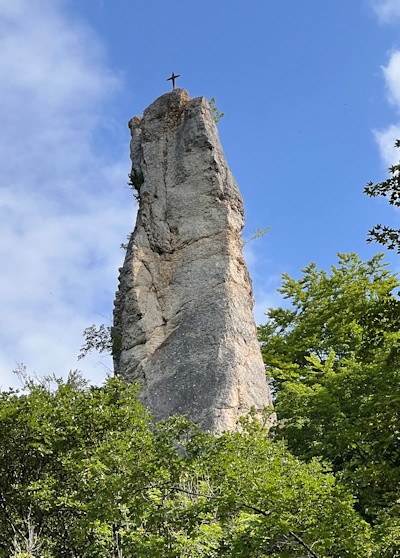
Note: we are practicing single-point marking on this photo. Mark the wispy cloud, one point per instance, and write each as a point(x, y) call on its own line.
point(386, 137)
point(391, 74)
point(387, 10)
point(63, 208)
point(265, 286)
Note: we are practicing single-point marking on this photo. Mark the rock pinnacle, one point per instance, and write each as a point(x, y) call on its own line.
point(184, 307)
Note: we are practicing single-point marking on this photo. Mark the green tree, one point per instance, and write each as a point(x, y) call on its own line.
point(349, 311)
point(270, 504)
point(334, 360)
point(50, 471)
point(390, 189)
point(85, 472)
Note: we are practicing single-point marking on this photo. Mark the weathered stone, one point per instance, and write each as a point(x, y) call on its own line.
point(184, 304)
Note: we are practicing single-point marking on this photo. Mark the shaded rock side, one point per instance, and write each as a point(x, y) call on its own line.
point(183, 318)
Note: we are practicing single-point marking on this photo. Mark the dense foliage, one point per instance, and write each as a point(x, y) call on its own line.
point(333, 358)
point(84, 472)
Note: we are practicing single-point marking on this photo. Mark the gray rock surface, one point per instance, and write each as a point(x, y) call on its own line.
point(183, 310)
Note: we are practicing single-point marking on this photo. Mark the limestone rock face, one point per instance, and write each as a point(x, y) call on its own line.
point(183, 311)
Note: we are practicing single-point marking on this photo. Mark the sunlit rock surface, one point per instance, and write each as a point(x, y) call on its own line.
point(184, 307)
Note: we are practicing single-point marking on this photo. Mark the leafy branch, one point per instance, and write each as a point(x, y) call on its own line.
point(241, 504)
point(390, 188)
point(217, 115)
point(258, 233)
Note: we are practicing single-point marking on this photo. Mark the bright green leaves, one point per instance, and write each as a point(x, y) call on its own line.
point(57, 448)
point(86, 472)
point(273, 504)
point(334, 360)
point(345, 312)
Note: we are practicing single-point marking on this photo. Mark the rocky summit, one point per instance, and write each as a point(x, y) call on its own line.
point(183, 319)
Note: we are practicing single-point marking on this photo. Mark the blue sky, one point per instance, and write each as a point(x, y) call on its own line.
point(311, 93)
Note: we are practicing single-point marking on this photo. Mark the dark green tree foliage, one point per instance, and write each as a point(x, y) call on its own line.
point(136, 179)
point(334, 362)
point(85, 473)
point(390, 189)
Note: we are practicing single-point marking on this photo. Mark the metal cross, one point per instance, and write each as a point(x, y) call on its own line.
point(173, 78)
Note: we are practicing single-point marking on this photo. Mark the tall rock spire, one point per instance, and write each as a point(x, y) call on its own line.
point(183, 311)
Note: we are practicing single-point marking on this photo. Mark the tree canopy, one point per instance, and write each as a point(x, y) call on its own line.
point(333, 358)
point(85, 472)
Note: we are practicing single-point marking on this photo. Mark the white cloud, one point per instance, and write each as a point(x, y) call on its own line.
point(386, 10)
point(63, 207)
point(391, 74)
point(385, 140)
point(386, 137)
